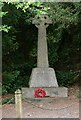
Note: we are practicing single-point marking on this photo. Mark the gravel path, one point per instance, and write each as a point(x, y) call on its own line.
point(66, 108)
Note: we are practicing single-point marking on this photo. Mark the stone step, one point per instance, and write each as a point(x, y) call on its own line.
point(50, 92)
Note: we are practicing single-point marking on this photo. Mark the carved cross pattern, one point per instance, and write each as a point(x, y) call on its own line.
point(41, 21)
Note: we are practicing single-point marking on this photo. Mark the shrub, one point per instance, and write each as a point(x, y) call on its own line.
point(10, 82)
point(66, 78)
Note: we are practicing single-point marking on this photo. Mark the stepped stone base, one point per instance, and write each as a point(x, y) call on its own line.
point(50, 92)
point(43, 77)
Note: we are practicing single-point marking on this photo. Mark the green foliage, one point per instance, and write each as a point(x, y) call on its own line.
point(20, 41)
point(5, 28)
point(3, 13)
point(64, 14)
point(66, 78)
point(4, 91)
point(53, 54)
point(8, 101)
point(79, 95)
point(11, 82)
point(11, 45)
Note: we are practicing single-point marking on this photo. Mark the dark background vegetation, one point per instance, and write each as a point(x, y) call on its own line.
point(19, 42)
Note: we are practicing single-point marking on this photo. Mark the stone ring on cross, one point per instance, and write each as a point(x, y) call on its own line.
point(42, 20)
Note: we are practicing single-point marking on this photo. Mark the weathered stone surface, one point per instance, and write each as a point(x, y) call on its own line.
point(50, 92)
point(42, 22)
point(43, 77)
point(42, 54)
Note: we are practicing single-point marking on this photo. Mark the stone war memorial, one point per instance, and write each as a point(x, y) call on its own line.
point(43, 82)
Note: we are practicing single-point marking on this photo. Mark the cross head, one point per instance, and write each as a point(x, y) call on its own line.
point(42, 20)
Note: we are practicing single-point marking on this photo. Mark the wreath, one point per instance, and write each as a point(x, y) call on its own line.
point(39, 93)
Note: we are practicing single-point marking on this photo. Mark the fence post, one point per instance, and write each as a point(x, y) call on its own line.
point(18, 103)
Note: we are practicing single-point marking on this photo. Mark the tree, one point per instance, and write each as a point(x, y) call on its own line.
point(20, 42)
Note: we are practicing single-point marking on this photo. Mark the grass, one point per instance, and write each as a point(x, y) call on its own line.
point(8, 101)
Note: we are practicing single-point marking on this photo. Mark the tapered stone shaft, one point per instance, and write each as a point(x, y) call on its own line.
point(42, 57)
point(43, 75)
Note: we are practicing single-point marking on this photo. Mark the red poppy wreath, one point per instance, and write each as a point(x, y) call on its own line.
point(39, 93)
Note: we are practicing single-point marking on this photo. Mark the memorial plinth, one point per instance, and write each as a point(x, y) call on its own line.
point(43, 76)
point(50, 92)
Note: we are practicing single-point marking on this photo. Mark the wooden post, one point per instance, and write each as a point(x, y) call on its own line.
point(18, 103)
